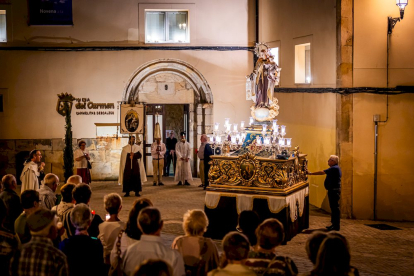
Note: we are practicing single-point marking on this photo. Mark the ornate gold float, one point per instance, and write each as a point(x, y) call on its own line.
point(252, 174)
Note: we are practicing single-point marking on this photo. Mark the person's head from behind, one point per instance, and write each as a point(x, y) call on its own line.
point(195, 223)
point(52, 181)
point(149, 221)
point(81, 217)
point(42, 223)
point(270, 234)
point(153, 267)
point(132, 229)
point(30, 199)
point(82, 193)
point(113, 203)
point(9, 182)
point(75, 179)
point(247, 224)
point(66, 192)
point(236, 247)
point(313, 244)
point(333, 256)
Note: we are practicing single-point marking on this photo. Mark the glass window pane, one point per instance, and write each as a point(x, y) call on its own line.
point(3, 33)
point(275, 53)
point(155, 26)
point(177, 26)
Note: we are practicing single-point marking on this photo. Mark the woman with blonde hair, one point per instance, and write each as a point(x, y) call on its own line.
point(200, 254)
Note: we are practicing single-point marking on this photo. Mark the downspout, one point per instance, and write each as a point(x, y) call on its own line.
point(376, 121)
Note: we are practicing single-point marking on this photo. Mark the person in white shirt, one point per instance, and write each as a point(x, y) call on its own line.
point(183, 169)
point(81, 162)
point(47, 191)
point(109, 230)
point(158, 150)
point(151, 245)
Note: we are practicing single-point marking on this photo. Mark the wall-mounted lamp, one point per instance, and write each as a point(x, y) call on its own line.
point(392, 21)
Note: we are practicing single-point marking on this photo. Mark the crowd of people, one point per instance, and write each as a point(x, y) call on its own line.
point(39, 236)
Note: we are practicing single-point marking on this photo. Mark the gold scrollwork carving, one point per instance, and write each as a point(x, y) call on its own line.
point(223, 172)
point(247, 170)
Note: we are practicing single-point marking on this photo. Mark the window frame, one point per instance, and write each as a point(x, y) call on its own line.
point(305, 44)
point(166, 26)
point(190, 8)
point(7, 8)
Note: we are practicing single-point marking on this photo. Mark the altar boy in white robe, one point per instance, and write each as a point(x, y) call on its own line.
point(183, 169)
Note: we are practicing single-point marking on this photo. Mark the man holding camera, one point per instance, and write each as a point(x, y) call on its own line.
point(158, 150)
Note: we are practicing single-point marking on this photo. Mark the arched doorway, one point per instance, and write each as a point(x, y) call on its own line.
point(168, 83)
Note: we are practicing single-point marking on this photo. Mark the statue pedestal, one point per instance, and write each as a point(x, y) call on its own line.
point(273, 188)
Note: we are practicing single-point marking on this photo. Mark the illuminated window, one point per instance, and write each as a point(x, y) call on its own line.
point(302, 63)
point(3, 26)
point(275, 52)
point(166, 27)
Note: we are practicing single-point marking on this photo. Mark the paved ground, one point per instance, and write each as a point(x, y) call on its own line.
point(374, 252)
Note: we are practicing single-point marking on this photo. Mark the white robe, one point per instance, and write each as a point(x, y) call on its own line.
point(29, 176)
point(125, 151)
point(183, 169)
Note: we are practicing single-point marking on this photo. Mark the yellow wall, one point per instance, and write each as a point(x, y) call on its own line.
point(310, 118)
point(287, 23)
point(115, 23)
point(370, 44)
point(395, 170)
point(310, 122)
point(31, 79)
point(34, 78)
point(395, 189)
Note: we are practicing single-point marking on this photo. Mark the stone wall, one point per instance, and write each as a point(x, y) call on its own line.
point(105, 154)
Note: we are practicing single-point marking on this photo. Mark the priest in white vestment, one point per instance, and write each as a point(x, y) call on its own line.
point(32, 171)
point(132, 147)
point(183, 169)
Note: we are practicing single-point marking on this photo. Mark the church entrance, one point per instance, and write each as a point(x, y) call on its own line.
point(180, 95)
point(172, 118)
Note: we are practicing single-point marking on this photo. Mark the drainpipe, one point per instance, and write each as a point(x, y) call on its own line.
point(376, 121)
point(257, 21)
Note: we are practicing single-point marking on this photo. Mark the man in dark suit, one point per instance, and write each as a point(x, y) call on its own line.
point(208, 151)
point(170, 154)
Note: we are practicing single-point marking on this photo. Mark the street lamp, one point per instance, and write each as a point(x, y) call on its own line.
point(392, 21)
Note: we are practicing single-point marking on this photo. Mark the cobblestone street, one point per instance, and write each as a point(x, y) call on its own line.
point(373, 251)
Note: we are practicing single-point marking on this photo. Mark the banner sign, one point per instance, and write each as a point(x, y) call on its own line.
point(50, 12)
point(132, 119)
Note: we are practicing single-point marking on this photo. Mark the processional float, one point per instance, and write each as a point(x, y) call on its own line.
point(255, 167)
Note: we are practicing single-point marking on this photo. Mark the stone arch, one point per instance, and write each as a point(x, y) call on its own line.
point(201, 111)
point(202, 91)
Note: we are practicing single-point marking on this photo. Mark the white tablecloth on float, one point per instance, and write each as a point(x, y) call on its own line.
point(276, 203)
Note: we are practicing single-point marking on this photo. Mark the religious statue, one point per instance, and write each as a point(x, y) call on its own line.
point(262, 82)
